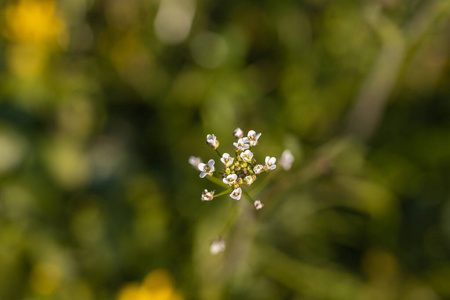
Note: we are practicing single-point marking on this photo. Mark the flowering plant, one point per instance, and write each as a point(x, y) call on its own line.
point(238, 170)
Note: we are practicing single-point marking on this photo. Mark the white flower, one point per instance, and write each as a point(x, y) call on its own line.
point(207, 196)
point(258, 204)
point(247, 155)
point(212, 141)
point(241, 144)
point(270, 163)
point(195, 161)
point(238, 133)
point(206, 169)
point(227, 160)
point(286, 160)
point(217, 246)
point(258, 169)
point(230, 179)
point(248, 180)
point(253, 137)
point(236, 194)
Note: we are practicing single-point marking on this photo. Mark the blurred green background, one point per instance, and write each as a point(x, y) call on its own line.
point(103, 102)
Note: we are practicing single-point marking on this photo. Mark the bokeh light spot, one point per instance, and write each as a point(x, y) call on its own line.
point(209, 49)
point(45, 278)
point(173, 20)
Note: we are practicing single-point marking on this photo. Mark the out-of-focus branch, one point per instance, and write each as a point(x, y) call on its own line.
point(307, 279)
point(418, 28)
point(396, 43)
point(375, 91)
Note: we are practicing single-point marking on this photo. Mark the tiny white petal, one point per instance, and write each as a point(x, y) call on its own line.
point(258, 169)
point(211, 163)
point(227, 160)
point(248, 180)
point(252, 137)
point(258, 204)
point(238, 133)
point(247, 155)
point(206, 169)
point(217, 246)
point(212, 141)
point(195, 161)
point(270, 163)
point(241, 144)
point(201, 166)
point(207, 196)
point(230, 179)
point(286, 160)
point(236, 194)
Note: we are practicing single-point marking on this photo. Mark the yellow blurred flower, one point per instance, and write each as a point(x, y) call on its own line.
point(158, 285)
point(45, 278)
point(33, 21)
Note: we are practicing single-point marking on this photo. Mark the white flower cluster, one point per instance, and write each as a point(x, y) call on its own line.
point(238, 169)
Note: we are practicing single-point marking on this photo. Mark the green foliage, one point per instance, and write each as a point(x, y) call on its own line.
point(103, 102)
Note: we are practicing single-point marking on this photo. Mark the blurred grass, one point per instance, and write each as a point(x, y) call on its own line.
point(102, 103)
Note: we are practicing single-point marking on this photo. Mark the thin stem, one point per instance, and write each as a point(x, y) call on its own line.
point(248, 196)
point(223, 193)
point(216, 181)
point(262, 183)
point(230, 220)
point(217, 151)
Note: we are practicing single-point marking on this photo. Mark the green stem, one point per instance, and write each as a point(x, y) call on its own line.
point(230, 220)
point(247, 195)
point(216, 181)
point(262, 183)
point(223, 193)
point(217, 151)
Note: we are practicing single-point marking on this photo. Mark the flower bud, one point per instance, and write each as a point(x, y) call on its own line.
point(212, 141)
point(238, 133)
point(258, 204)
